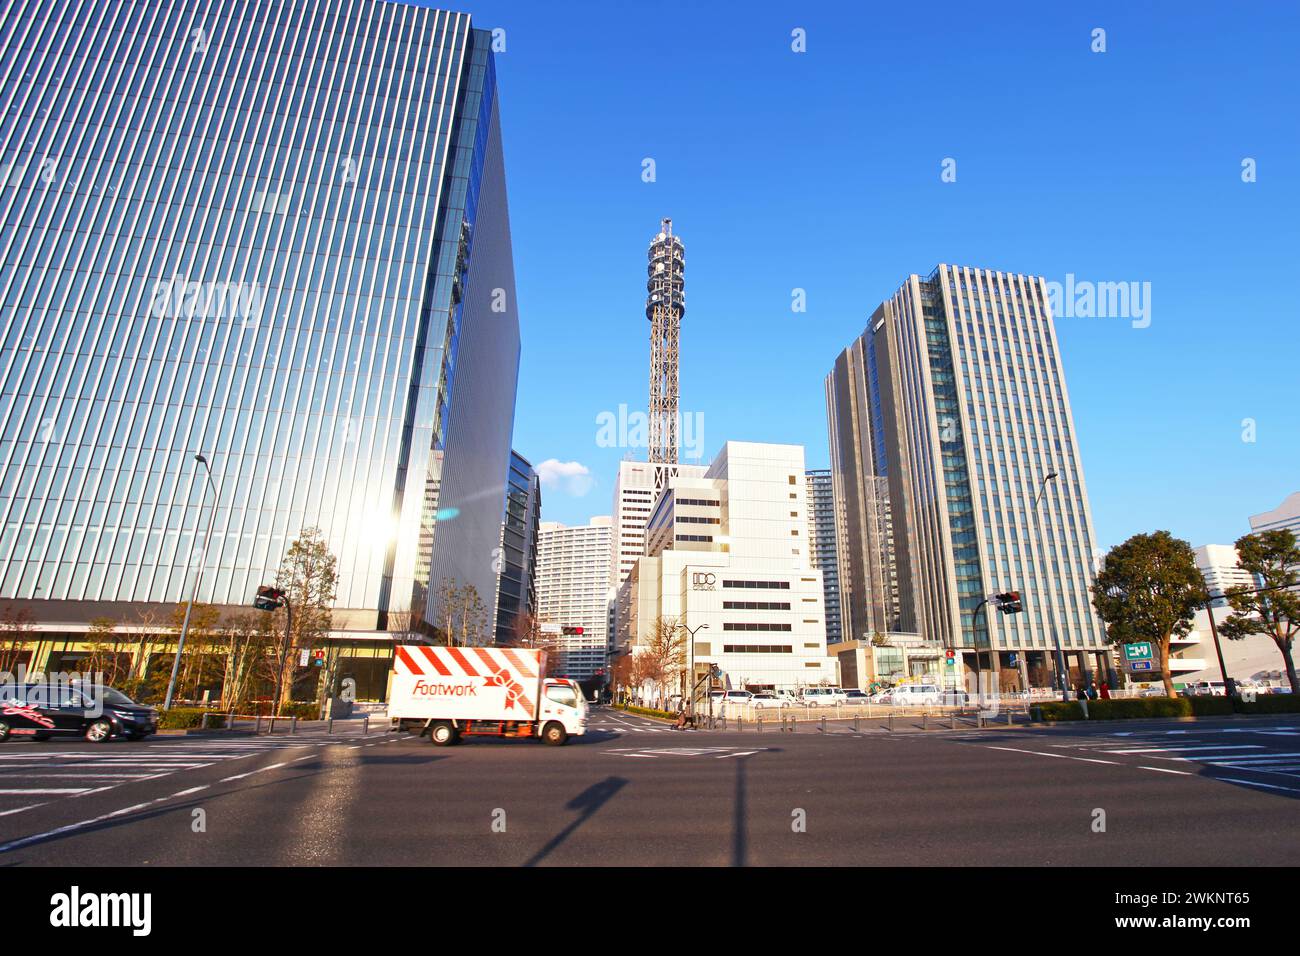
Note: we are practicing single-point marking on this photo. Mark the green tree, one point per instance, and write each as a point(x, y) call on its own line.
point(1272, 557)
point(1149, 590)
point(309, 577)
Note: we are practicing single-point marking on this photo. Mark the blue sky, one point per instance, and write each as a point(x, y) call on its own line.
point(821, 171)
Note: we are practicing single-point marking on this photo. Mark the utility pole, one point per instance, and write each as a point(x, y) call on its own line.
point(690, 663)
point(1051, 605)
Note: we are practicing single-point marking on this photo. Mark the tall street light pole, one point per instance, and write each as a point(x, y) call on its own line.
point(690, 663)
point(1051, 605)
point(198, 576)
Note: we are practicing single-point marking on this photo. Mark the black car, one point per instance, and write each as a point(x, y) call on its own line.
point(42, 711)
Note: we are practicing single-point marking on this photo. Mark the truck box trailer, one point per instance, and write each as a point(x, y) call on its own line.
point(455, 692)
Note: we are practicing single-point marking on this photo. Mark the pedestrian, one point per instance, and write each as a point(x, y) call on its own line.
point(681, 717)
point(1105, 691)
point(1082, 694)
point(1092, 691)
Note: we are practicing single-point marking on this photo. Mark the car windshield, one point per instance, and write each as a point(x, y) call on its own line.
point(108, 695)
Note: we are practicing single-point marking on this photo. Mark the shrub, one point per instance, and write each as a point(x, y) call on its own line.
point(648, 712)
point(1269, 704)
point(189, 718)
point(1211, 706)
point(1052, 711)
point(301, 710)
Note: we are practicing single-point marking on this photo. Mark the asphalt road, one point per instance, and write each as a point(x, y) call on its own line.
point(633, 791)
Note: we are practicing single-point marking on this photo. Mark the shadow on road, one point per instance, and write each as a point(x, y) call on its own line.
point(589, 801)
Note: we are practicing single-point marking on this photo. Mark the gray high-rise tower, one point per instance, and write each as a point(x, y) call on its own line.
point(664, 307)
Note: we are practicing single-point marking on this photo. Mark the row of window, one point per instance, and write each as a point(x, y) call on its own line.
point(757, 649)
point(777, 585)
point(756, 605)
point(754, 626)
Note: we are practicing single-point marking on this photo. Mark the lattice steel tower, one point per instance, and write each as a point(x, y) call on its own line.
point(664, 307)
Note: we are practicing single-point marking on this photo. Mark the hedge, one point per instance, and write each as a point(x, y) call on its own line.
point(188, 718)
point(647, 712)
point(1142, 707)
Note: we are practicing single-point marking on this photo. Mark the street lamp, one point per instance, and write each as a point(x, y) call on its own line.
point(198, 575)
point(1051, 607)
point(690, 663)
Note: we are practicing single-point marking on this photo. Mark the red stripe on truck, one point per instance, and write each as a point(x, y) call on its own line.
point(432, 657)
point(520, 662)
point(407, 661)
point(463, 661)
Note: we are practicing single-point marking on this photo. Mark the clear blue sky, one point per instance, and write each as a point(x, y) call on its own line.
point(821, 171)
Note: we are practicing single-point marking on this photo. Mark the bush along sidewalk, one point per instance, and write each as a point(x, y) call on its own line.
point(189, 718)
point(647, 712)
point(1146, 707)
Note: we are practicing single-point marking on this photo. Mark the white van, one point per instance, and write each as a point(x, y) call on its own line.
point(824, 696)
point(916, 695)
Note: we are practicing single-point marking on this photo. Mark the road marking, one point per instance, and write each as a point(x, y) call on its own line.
point(1271, 756)
point(186, 793)
point(31, 806)
point(743, 753)
point(1181, 773)
point(46, 791)
point(241, 776)
point(1256, 783)
point(1039, 753)
point(1151, 750)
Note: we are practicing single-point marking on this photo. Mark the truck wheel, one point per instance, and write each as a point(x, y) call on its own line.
point(554, 734)
point(443, 734)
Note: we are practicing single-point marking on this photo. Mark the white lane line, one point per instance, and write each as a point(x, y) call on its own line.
point(651, 756)
point(1152, 750)
point(743, 753)
point(186, 793)
point(308, 757)
point(30, 806)
point(73, 776)
point(1181, 773)
point(46, 791)
point(241, 776)
point(1256, 783)
point(1039, 753)
point(1271, 756)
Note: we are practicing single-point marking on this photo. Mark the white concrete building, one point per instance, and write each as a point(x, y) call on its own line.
point(1218, 565)
point(727, 556)
point(572, 593)
point(1284, 516)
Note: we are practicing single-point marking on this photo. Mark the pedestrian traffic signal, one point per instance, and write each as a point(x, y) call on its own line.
point(1009, 603)
point(268, 598)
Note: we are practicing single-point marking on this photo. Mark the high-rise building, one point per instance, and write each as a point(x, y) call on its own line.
point(1285, 516)
point(1218, 565)
point(665, 305)
point(636, 489)
point(517, 578)
point(957, 464)
point(572, 586)
point(822, 545)
point(274, 234)
point(727, 557)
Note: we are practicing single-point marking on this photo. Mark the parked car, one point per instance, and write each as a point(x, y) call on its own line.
point(823, 696)
point(767, 700)
point(916, 695)
point(1205, 688)
point(42, 711)
point(855, 696)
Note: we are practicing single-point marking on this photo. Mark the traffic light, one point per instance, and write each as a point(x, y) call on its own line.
point(1009, 603)
point(268, 598)
point(571, 630)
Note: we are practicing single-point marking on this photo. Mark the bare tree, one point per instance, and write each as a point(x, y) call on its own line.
point(666, 654)
point(16, 630)
point(309, 576)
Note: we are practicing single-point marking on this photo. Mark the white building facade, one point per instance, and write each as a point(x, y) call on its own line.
point(727, 559)
point(572, 595)
point(1218, 565)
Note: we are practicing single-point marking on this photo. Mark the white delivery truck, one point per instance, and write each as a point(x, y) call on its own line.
point(454, 692)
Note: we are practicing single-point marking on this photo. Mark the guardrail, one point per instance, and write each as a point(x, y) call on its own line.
point(270, 723)
point(739, 717)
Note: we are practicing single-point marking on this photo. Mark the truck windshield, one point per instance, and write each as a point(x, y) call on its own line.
point(562, 694)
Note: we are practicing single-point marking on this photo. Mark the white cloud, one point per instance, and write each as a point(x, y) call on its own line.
point(569, 477)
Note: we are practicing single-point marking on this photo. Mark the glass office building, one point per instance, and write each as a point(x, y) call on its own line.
point(517, 560)
point(956, 471)
point(273, 232)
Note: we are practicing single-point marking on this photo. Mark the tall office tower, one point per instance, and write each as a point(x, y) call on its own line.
point(572, 581)
point(729, 549)
point(950, 415)
point(822, 546)
point(665, 305)
point(274, 234)
point(1285, 517)
point(1218, 565)
point(517, 561)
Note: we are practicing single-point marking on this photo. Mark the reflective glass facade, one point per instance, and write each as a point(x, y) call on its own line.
point(952, 408)
point(268, 231)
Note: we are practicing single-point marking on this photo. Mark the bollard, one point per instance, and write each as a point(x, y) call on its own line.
point(203, 722)
point(257, 729)
point(329, 726)
point(792, 724)
point(293, 725)
point(230, 720)
point(925, 720)
point(759, 723)
point(979, 720)
point(952, 720)
point(857, 723)
point(271, 730)
point(1008, 718)
point(365, 725)
point(891, 720)
point(740, 725)
point(823, 726)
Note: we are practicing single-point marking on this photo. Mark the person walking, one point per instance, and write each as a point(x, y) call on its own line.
point(1092, 691)
point(1105, 691)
